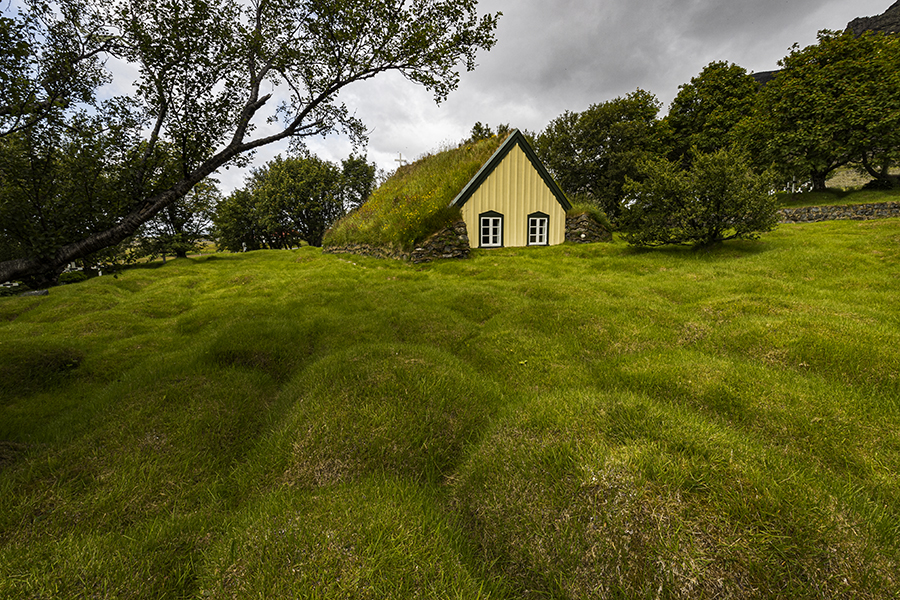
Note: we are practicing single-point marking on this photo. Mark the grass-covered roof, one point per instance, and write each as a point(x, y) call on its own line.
point(415, 201)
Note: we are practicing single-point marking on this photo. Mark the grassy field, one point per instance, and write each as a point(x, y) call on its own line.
point(844, 187)
point(837, 197)
point(567, 422)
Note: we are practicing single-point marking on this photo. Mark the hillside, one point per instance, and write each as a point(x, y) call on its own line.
point(415, 201)
point(587, 421)
point(886, 22)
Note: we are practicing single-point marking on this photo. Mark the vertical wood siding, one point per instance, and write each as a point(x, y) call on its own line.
point(515, 189)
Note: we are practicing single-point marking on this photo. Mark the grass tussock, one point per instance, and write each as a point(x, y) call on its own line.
point(415, 201)
point(581, 206)
point(579, 421)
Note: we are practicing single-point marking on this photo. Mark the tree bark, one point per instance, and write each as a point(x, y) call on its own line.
point(818, 180)
point(883, 175)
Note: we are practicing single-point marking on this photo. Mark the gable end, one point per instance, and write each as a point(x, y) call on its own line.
point(515, 139)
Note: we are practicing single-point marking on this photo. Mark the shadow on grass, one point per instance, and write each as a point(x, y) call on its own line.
point(27, 368)
point(721, 250)
point(157, 263)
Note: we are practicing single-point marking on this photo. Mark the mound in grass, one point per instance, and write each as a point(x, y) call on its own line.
point(415, 201)
point(574, 422)
point(620, 496)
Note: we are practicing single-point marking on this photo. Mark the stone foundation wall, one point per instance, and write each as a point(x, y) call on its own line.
point(453, 242)
point(582, 229)
point(367, 250)
point(450, 242)
point(856, 212)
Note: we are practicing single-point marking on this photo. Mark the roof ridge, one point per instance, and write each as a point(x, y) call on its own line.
point(515, 138)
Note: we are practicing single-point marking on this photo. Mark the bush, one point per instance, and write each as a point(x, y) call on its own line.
point(718, 199)
point(13, 290)
point(72, 277)
point(291, 201)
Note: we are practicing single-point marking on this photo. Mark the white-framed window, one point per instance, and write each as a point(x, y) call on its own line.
point(490, 230)
point(538, 226)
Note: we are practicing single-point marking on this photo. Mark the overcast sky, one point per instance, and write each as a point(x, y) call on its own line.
point(558, 55)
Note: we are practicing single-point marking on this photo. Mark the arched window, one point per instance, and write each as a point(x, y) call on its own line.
point(538, 229)
point(490, 230)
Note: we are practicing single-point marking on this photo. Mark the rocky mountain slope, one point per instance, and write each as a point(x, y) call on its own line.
point(888, 22)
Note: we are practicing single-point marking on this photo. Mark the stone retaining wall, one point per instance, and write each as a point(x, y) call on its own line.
point(583, 229)
point(450, 242)
point(367, 250)
point(856, 212)
point(453, 242)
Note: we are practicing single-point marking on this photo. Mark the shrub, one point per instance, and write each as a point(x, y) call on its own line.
point(73, 277)
point(718, 199)
point(12, 289)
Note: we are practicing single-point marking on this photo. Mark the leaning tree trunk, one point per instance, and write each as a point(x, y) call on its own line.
point(883, 176)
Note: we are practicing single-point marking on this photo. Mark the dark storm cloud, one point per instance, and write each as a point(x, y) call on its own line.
point(593, 51)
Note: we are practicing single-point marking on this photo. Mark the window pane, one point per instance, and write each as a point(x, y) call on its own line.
point(537, 230)
point(491, 231)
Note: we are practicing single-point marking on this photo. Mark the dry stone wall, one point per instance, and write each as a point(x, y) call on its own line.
point(453, 242)
point(583, 229)
point(367, 250)
point(856, 212)
point(450, 242)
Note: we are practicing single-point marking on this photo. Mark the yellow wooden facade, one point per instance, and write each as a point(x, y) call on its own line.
point(514, 185)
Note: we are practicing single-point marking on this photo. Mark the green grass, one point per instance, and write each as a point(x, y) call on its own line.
point(837, 197)
point(569, 422)
point(415, 201)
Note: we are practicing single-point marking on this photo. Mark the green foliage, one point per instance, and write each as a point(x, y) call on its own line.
point(181, 227)
point(289, 201)
point(296, 199)
point(480, 132)
point(594, 152)
point(832, 103)
point(414, 202)
point(358, 182)
point(72, 277)
point(718, 199)
point(236, 228)
point(706, 110)
point(206, 72)
point(58, 185)
point(483, 132)
point(50, 60)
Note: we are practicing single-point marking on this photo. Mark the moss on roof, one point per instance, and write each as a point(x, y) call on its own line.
point(415, 201)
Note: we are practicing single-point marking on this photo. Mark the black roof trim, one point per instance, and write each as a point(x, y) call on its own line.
point(514, 139)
